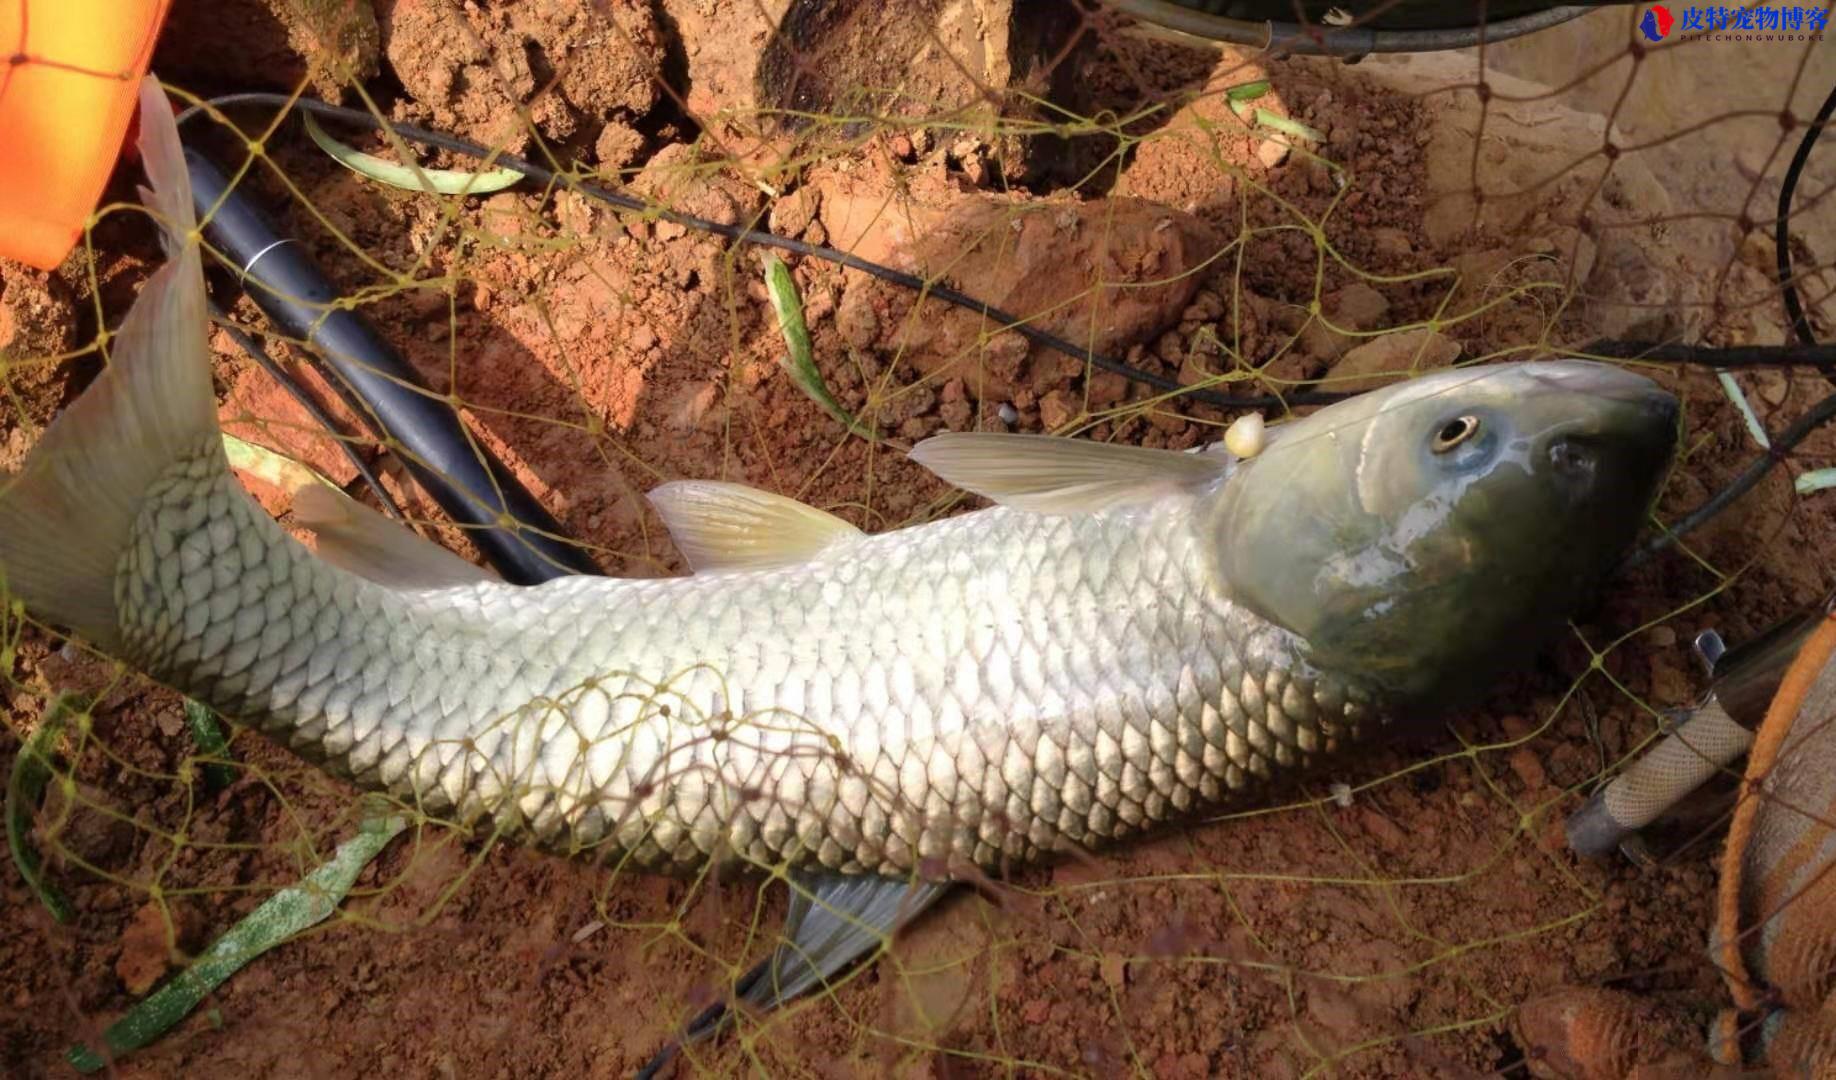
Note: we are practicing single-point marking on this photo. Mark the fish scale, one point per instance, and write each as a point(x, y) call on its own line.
point(1088, 682)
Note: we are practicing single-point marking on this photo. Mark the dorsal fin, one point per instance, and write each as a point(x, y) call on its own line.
point(722, 526)
point(367, 543)
point(1050, 474)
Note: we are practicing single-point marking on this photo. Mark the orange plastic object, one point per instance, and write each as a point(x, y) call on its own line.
point(69, 73)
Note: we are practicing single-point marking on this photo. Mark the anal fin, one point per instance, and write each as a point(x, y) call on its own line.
point(834, 920)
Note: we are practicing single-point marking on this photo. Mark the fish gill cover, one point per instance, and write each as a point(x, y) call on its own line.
point(1237, 229)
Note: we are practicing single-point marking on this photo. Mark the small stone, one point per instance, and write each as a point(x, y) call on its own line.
point(1387, 833)
point(1169, 423)
point(1356, 307)
point(1391, 243)
point(1170, 349)
point(1670, 685)
point(1377, 363)
point(1057, 409)
point(170, 723)
point(1528, 768)
point(1107, 388)
point(819, 306)
point(791, 215)
point(694, 404)
point(618, 145)
point(1115, 970)
point(146, 952)
point(1206, 305)
point(856, 320)
point(502, 216)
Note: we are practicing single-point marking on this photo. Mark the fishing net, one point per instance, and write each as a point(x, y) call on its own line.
point(1206, 228)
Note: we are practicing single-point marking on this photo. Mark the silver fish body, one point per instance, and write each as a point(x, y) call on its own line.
point(1128, 635)
point(979, 690)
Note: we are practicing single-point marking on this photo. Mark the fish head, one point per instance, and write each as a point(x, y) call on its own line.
point(1422, 537)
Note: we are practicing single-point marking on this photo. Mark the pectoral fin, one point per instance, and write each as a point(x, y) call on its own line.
point(834, 920)
point(1054, 475)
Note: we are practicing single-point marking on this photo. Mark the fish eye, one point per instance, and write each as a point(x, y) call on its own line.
point(1455, 432)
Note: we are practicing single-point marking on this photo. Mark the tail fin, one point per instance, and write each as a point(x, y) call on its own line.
point(65, 519)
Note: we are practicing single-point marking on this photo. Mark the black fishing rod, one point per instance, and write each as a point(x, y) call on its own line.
point(468, 482)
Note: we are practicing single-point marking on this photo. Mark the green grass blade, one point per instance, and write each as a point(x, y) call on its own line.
point(208, 734)
point(1294, 129)
point(24, 787)
point(800, 365)
point(286, 913)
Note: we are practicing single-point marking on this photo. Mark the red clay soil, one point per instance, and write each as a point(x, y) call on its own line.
point(1391, 931)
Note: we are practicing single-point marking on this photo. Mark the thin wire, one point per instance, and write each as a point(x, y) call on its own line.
point(1777, 447)
point(1794, 307)
point(1750, 476)
point(742, 234)
point(1809, 353)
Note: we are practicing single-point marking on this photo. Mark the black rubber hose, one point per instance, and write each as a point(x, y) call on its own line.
point(1788, 285)
point(464, 477)
point(1820, 413)
point(1357, 40)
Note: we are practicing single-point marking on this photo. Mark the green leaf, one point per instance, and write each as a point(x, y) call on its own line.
point(286, 913)
point(1248, 91)
point(413, 178)
point(283, 472)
